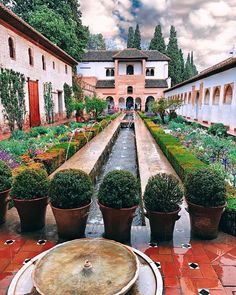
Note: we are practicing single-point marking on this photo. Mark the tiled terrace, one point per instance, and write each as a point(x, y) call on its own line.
point(188, 266)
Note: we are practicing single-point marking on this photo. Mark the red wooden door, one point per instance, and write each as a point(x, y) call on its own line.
point(34, 112)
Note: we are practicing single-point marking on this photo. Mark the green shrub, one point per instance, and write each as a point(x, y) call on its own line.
point(65, 146)
point(60, 129)
point(31, 183)
point(70, 188)
point(163, 193)
point(179, 119)
point(231, 204)
point(218, 129)
point(5, 177)
point(119, 189)
point(40, 130)
point(19, 135)
point(205, 187)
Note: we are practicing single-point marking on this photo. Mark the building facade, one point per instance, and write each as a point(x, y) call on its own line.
point(26, 51)
point(210, 96)
point(128, 78)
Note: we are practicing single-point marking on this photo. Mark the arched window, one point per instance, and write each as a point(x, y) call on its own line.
point(207, 97)
point(11, 45)
point(228, 95)
point(43, 63)
point(53, 65)
point(185, 98)
point(216, 96)
point(130, 70)
point(152, 72)
point(147, 72)
point(107, 72)
point(112, 72)
point(189, 98)
point(31, 59)
point(66, 70)
point(130, 90)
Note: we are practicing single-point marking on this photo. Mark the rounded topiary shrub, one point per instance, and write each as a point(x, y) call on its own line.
point(205, 187)
point(5, 177)
point(31, 183)
point(119, 189)
point(70, 188)
point(163, 193)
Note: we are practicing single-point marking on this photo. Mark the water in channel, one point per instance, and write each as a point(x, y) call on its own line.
point(122, 156)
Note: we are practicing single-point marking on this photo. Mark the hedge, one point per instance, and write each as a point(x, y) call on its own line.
point(182, 160)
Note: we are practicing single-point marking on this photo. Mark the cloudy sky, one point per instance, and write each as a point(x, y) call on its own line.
point(206, 27)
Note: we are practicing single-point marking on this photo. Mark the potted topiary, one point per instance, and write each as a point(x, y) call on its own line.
point(70, 195)
point(30, 197)
point(206, 198)
point(5, 188)
point(118, 200)
point(162, 198)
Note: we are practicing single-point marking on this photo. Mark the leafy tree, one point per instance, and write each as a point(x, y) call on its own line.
point(68, 99)
point(164, 107)
point(95, 105)
point(59, 21)
point(96, 42)
point(137, 38)
point(175, 64)
point(158, 42)
point(130, 41)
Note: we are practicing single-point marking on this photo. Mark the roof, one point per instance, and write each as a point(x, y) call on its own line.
point(156, 83)
point(130, 53)
point(217, 68)
point(105, 84)
point(16, 22)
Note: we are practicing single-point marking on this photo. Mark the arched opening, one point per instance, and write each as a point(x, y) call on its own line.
point(228, 95)
point(12, 51)
point(31, 59)
point(130, 70)
point(130, 90)
point(112, 72)
point(107, 72)
point(207, 97)
point(121, 103)
point(138, 104)
point(189, 98)
point(148, 103)
point(152, 72)
point(185, 98)
point(197, 103)
point(43, 62)
point(216, 96)
point(110, 102)
point(129, 103)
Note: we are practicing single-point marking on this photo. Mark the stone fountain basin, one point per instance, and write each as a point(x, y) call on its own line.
point(86, 266)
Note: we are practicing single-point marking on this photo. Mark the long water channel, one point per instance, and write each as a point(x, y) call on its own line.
point(123, 156)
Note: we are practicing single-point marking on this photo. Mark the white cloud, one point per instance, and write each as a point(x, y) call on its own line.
point(201, 18)
point(220, 8)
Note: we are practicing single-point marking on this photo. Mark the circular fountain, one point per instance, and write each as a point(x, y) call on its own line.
point(88, 267)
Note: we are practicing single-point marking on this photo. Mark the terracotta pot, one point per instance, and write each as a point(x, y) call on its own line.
point(162, 224)
point(32, 213)
point(71, 223)
point(205, 220)
point(4, 200)
point(117, 222)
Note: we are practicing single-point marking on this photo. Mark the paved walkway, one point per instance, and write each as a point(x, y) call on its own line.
point(151, 159)
point(88, 157)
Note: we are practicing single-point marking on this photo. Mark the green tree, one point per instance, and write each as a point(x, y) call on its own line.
point(68, 99)
point(187, 69)
point(130, 41)
point(95, 105)
point(158, 42)
point(137, 38)
point(59, 21)
point(182, 64)
point(193, 67)
point(175, 64)
point(96, 42)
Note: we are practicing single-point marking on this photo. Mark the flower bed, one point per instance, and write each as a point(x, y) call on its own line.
point(50, 146)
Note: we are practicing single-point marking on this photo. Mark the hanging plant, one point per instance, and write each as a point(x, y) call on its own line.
point(12, 97)
point(48, 102)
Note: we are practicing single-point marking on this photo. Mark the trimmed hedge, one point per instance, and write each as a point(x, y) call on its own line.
point(182, 160)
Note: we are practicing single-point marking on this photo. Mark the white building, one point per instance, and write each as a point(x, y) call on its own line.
point(126, 78)
point(28, 52)
point(209, 97)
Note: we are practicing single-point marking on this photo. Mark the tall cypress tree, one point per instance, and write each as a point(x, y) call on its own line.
point(175, 63)
point(158, 42)
point(182, 66)
point(187, 69)
point(137, 38)
point(193, 67)
point(130, 41)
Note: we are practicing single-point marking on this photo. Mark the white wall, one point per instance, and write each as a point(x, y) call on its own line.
point(95, 69)
point(21, 64)
point(136, 64)
point(161, 69)
point(221, 113)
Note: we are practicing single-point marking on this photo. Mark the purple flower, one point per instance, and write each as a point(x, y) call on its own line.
point(9, 159)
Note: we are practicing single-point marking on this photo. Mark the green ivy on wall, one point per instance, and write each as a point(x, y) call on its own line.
point(12, 97)
point(68, 98)
point(48, 102)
